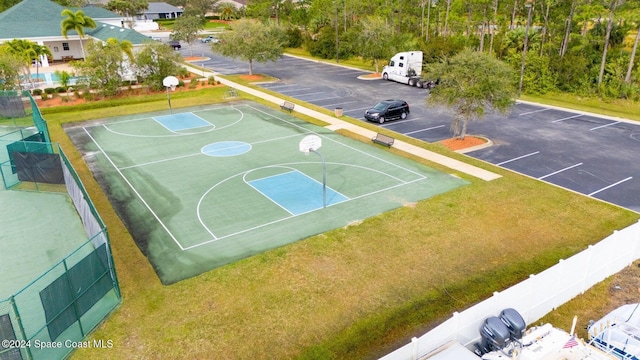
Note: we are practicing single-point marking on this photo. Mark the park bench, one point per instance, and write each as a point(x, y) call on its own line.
point(383, 139)
point(287, 105)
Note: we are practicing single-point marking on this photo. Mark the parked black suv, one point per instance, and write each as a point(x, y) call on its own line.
point(175, 44)
point(387, 110)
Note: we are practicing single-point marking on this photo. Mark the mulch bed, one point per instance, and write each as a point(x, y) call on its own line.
point(458, 144)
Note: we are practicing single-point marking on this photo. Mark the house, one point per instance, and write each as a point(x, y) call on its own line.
point(39, 21)
point(162, 10)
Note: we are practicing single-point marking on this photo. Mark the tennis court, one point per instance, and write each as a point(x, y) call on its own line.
point(206, 186)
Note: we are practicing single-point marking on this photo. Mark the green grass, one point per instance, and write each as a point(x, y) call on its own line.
point(354, 292)
point(626, 109)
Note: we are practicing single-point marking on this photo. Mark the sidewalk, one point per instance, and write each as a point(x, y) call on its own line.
point(336, 124)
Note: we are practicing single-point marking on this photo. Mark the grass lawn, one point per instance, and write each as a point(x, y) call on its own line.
point(353, 293)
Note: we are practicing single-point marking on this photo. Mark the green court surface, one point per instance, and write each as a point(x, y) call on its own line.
point(38, 231)
point(207, 186)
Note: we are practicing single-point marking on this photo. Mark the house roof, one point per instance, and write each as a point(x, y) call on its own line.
point(106, 31)
point(42, 18)
point(162, 8)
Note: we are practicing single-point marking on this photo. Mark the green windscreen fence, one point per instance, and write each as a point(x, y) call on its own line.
point(66, 302)
point(27, 155)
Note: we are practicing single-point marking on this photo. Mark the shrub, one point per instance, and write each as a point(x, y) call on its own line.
point(184, 73)
point(44, 96)
point(180, 83)
point(294, 37)
point(211, 80)
point(193, 84)
point(61, 89)
point(88, 95)
point(36, 92)
point(49, 91)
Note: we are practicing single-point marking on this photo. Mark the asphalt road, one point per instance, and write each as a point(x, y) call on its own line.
point(592, 155)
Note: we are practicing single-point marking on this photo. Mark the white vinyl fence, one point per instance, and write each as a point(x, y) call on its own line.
point(536, 296)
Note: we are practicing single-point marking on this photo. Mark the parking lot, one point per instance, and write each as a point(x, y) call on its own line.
point(596, 156)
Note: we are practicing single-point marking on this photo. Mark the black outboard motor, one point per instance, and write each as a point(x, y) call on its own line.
point(494, 335)
point(515, 323)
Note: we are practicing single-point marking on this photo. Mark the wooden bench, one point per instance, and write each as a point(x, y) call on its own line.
point(383, 139)
point(287, 105)
point(67, 58)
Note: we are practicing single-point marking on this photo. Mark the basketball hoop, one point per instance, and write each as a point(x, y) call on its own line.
point(170, 82)
point(311, 143)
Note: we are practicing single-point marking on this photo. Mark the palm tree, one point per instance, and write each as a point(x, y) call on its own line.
point(39, 51)
point(27, 51)
point(227, 11)
point(76, 21)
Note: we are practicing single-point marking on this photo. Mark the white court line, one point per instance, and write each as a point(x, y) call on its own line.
point(289, 217)
point(559, 171)
point(199, 153)
point(534, 111)
point(612, 185)
point(518, 158)
point(425, 129)
point(567, 118)
point(134, 190)
point(603, 126)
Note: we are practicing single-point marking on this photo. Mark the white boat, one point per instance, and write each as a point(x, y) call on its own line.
point(505, 338)
point(618, 332)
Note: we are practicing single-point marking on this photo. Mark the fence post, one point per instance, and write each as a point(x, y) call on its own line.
point(414, 348)
point(14, 307)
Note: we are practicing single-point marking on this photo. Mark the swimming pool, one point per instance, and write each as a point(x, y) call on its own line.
point(53, 78)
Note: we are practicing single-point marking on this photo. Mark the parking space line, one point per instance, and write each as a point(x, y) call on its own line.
point(518, 158)
point(559, 171)
point(329, 98)
point(358, 109)
point(534, 111)
point(340, 103)
point(605, 125)
point(282, 86)
point(612, 185)
point(300, 96)
point(567, 118)
point(426, 129)
point(402, 122)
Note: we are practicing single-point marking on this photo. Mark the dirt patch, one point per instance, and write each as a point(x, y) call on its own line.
point(459, 144)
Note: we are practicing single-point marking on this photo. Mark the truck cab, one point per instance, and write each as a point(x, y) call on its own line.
point(404, 67)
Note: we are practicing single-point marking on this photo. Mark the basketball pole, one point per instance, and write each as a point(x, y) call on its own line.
point(169, 99)
point(324, 178)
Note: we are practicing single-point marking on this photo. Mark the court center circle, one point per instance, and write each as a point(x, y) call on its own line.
point(226, 148)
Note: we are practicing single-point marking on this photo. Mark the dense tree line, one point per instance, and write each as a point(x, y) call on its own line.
point(578, 46)
point(584, 47)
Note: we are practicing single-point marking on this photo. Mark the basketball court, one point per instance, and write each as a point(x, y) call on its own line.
point(202, 187)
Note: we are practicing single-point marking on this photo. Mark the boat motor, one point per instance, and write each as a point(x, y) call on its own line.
point(494, 335)
point(515, 323)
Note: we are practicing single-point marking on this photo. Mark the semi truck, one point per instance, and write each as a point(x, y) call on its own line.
point(406, 68)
